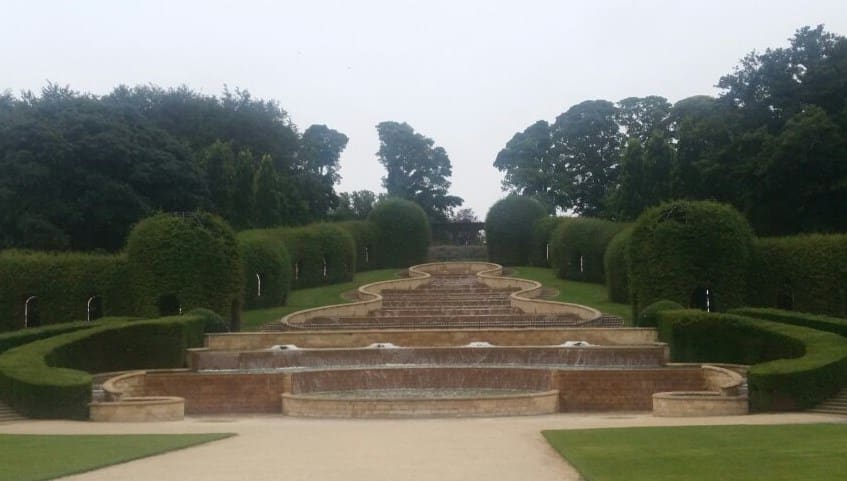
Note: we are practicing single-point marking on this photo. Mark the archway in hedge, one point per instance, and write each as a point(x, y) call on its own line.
point(94, 308)
point(785, 296)
point(169, 305)
point(703, 298)
point(32, 318)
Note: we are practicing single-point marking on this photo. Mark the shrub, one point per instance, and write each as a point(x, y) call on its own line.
point(48, 378)
point(212, 321)
point(62, 284)
point(542, 233)
point(179, 262)
point(835, 325)
point(793, 367)
point(690, 252)
point(264, 255)
point(649, 316)
point(508, 228)
point(404, 233)
point(578, 248)
point(25, 336)
point(365, 235)
point(320, 254)
point(616, 263)
point(806, 273)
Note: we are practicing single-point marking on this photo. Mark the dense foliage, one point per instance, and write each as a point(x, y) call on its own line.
point(835, 325)
point(579, 246)
point(616, 264)
point(80, 170)
point(267, 269)
point(541, 236)
point(772, 145)
point(793, 368)
point(320, 254)
point(693, 253)
point(508, 226)
point(365, 235)
point(404, 233)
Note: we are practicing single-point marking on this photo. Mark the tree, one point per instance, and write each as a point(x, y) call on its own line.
point(354, 205)
point(529, 164)
point(642, 117)
point(269, 203)
point(320, 149)
point(416, 170)
point(244, 197)
point(218, 163)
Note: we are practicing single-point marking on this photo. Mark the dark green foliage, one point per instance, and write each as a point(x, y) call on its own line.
point(447, 253)
point(63, 284)
point(266, 255)
point(25, 336)
point(508, 228)
point(616, 263)
point(404, 233)
point(212, 321)
point(542, 233)
point(680, 249)
point(320, 254)
point(579, 246)
point(649, 316)
point(835, 325)
point(793, 368)
point(50, 378)
point(365, 235)
point(183, 262)
point(807, 273)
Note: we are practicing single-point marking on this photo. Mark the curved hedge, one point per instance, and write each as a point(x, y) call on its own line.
point(540, 239)
point(185, 261)
point(404, 233)
point(649, 317)
point(508, 225)
point(579, 246)
point(26, 336)
point(806, 273)
point(683, 247)
point(63, 283)
point(312, 246)
point(616, 263)
point(264, 255)
point(835, 325)
point(50, 378)
point(365, 235)
point(793, 368)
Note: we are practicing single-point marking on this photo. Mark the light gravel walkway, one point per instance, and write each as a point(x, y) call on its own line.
point(280, 448)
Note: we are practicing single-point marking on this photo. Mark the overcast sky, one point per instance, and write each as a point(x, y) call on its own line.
point(468, 74)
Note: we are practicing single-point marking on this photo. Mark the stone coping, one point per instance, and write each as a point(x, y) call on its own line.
point(139, 409)
point(722, 396)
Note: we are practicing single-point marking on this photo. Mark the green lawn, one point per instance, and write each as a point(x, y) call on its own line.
point(25, 457)
point(708, 453)
point(313, 297)
point(585, 293)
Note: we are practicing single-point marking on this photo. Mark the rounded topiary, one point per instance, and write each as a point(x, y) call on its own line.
point(508, 229)
point(578, 247)
point(542, 233)
point(178, 262)
point(404, 233)
point(616, 262)
point(647, 317)
point(694, 253)
point(212, 321)
point(267, 269)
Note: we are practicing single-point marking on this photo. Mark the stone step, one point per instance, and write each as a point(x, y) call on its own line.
point(8, 414)
point(834, 405)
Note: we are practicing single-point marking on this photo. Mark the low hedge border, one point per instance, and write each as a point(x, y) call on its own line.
point(792, 367)
point(48, 379)
point(14, 339)
point(835, 325)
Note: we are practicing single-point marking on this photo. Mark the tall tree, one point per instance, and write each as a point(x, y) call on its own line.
point(218, 163)
point(528, 164)
point(642, 117)
point(269, 202)
point(416, 170)
point(320, 150)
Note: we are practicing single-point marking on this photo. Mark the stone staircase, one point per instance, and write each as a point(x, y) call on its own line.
point(834, 405)
point(8, 414)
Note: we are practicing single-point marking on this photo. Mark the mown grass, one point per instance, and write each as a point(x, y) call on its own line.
point(585, 293)
point(707, 453)
point(25, 457)
point(313, 297)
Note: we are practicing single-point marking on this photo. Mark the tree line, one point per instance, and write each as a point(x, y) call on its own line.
point(773, 144)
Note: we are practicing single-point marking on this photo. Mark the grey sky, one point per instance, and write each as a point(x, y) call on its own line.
point(467, 74)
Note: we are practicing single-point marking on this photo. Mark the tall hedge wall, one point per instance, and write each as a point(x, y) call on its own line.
point(541, 237)
point(616, 263)
point(508, 227)
point(678, 250)
point(579, 246)
point(265, 256)
point(404, 233)
point(188, 260)
point(312, 246)
point(48, 378)
point(805, 273)
point(793, 368)
point(63, 283)
point(365, 235)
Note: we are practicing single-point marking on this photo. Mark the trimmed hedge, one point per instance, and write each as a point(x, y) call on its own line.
point(579, 246)
point(183, 262)
point(678, 250)
point(264, 255)
point(365, 235)
point(835, 325)
point(616, 263)
point(806, 273)
point(63, 283)
point(793, 368)
point(508, 225)
point(48, 378)
point(26, 336)
point(649, 317)
point(404, 233)
point(541, 237)
point(314, 244)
